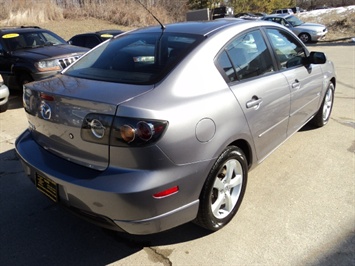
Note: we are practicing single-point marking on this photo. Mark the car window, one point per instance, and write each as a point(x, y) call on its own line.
point(135, 58)
point(225, 64)
point(16, 41)
point(277, 20)
point(294, 21)
point(91, 41)
point(245, 57)
point(52, 39)
point(288, 50)
point(78, 40)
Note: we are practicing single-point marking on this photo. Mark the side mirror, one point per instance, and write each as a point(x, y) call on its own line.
point(317, 58)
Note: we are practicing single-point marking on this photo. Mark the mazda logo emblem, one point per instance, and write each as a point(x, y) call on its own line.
point(46, 111)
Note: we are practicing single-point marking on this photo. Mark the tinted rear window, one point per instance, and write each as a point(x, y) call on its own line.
point(143, 58)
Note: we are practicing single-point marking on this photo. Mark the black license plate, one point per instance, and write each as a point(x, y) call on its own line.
point(47, 187)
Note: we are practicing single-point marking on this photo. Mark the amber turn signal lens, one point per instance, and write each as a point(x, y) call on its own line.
point(128, 133)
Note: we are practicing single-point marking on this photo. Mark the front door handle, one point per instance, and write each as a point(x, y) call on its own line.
point(296, 85)
point(254, 102)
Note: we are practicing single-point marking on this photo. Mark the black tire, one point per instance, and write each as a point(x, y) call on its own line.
point(305, 37)
point(323, 115)
point(4, 107)
point(226, 187)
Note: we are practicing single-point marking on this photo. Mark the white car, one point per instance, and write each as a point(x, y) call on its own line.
point(4, 97)
point(284, 11)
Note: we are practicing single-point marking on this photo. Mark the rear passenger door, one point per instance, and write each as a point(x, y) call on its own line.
point(262, 92)
point(305, 81)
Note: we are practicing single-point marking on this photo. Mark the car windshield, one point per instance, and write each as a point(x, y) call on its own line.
point(137, 58)
point(294, 21)
point(17, 41)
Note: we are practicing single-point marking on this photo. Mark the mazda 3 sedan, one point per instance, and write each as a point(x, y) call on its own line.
point(160, 126)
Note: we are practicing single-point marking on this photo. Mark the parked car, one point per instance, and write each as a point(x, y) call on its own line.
point(250, 15)
point(297, 10)
point(32, 53)
point(4, 97)
point(92, 39)
point(284, 11)
point(307, 32)
point(160, 126)
point(221, 12)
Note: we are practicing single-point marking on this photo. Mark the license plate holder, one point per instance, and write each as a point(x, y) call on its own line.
point(47, 187)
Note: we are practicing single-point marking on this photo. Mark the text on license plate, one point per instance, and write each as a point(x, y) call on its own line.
point(47, 186)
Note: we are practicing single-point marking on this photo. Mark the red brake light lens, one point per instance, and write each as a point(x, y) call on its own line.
point(145, 130)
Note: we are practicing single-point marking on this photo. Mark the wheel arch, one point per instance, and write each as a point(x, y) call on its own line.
point(333, 80)
point(20, 73)
point(246, 148)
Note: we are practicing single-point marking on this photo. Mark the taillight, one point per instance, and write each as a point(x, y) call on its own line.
point(121, 131)
point(136, 132)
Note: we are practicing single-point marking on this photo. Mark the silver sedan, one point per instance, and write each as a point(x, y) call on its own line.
point(307, 32)
point(159, 126)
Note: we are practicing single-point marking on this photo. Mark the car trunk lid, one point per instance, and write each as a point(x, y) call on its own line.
point(57, 108)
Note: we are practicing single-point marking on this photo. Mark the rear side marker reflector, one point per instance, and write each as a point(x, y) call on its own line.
point(47, 97)
point(166, 193)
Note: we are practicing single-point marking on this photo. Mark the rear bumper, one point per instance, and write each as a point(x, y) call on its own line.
point(119, 199)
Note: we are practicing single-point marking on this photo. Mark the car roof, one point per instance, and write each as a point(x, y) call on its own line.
point(109, 32)
point(279, 15)
point(99, 33)
point(199, 27)
point(21, 29)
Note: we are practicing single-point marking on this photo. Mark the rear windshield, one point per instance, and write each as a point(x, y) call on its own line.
point(138, 58)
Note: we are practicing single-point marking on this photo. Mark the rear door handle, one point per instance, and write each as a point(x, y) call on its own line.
point(254, 102)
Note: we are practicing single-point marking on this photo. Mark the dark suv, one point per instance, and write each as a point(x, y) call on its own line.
point(32, 53)
point(92, 39)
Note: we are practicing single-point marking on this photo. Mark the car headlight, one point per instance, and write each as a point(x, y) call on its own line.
point(316, 32)
point(48, 65)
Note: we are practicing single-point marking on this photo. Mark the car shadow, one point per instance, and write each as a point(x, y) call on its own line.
point(307, 127)
point(36, 231)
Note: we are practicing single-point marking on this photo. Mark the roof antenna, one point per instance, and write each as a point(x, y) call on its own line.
point(161, 24)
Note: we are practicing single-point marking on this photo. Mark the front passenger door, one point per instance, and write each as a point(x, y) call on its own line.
point(305, 81)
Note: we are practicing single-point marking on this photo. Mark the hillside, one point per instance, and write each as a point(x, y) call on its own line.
point(340, 23)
